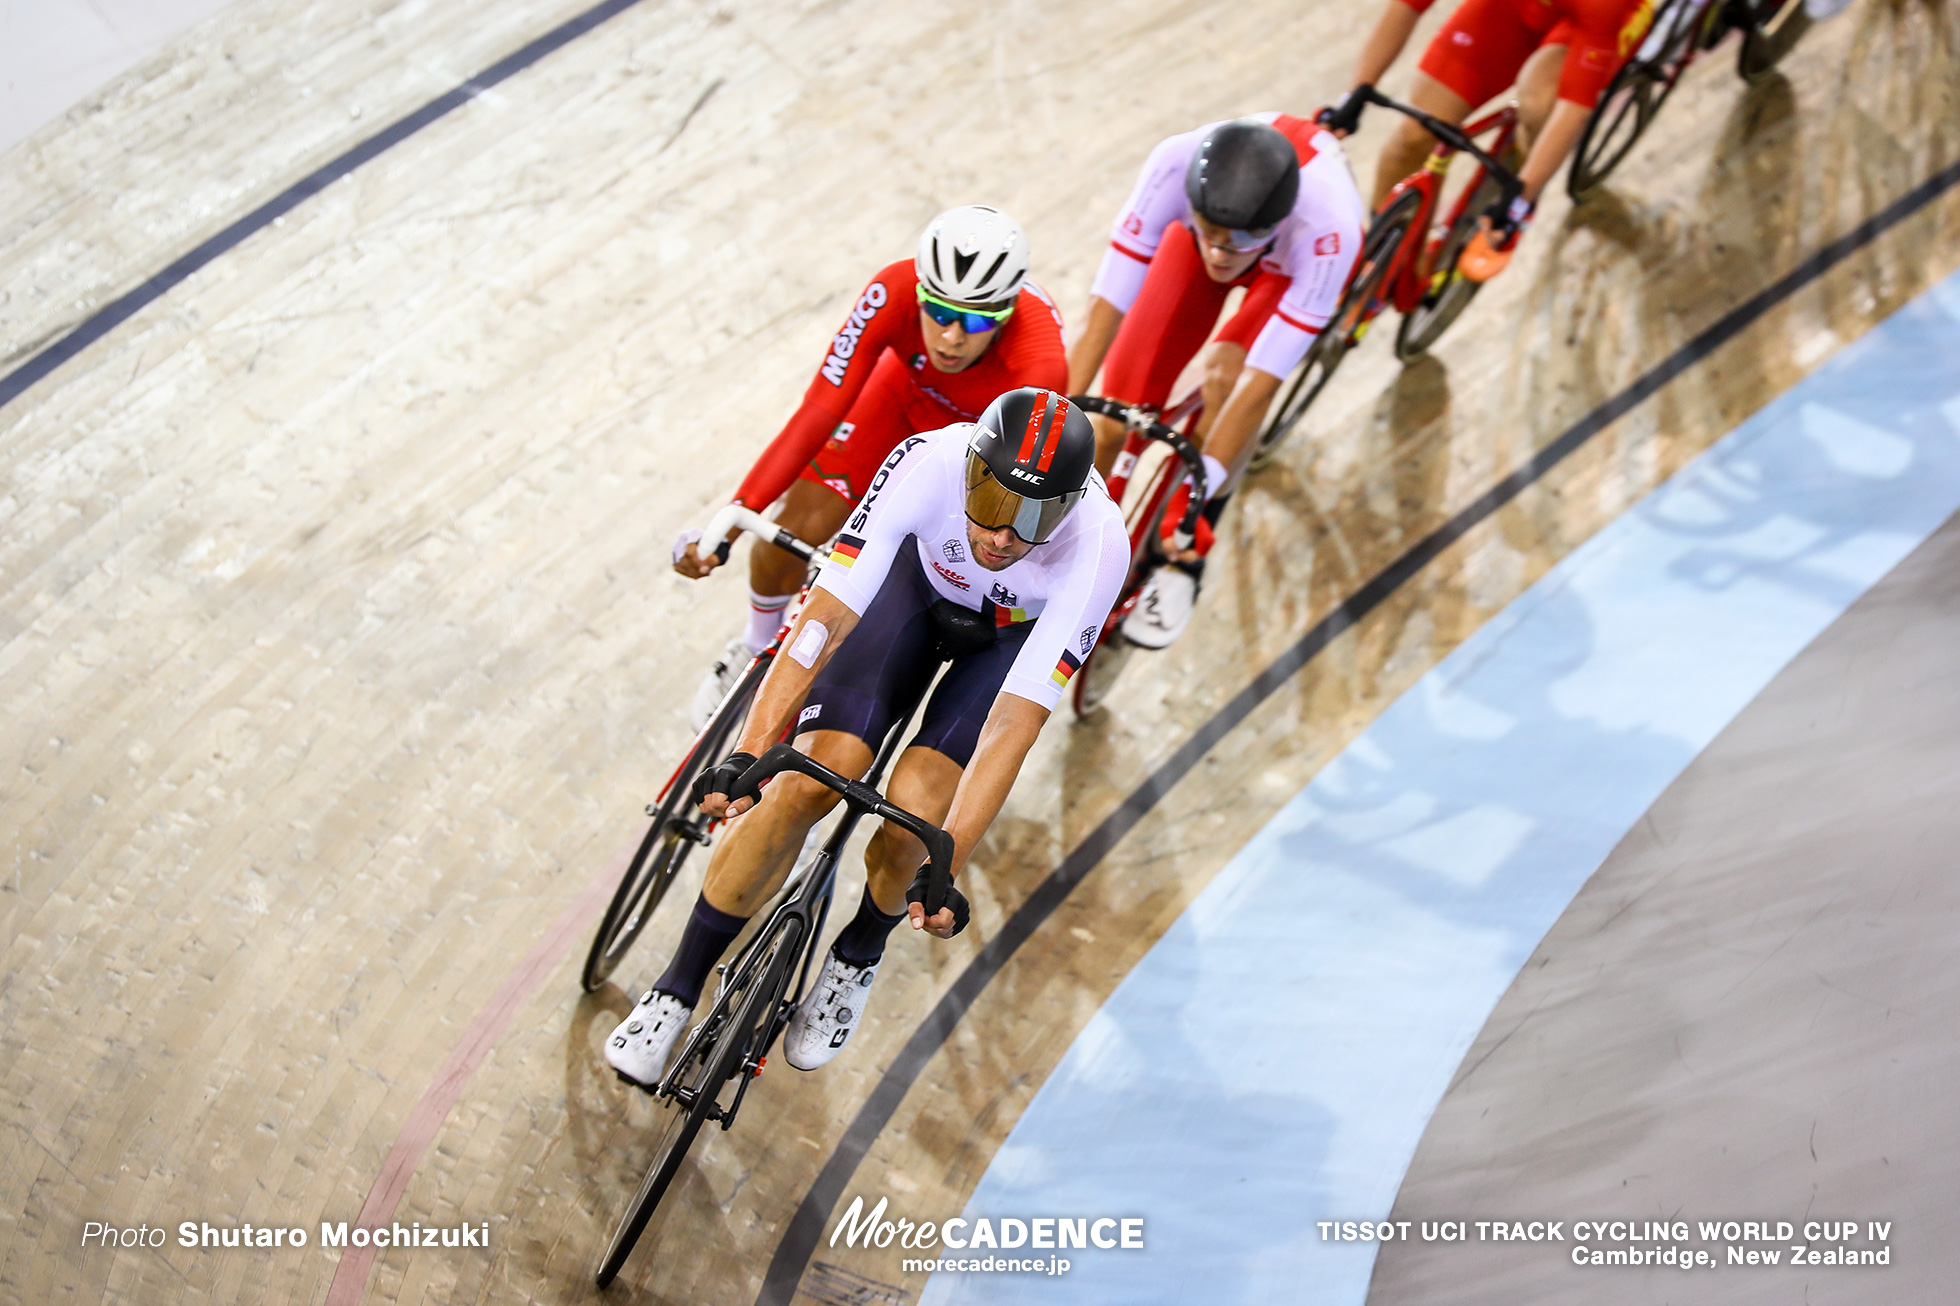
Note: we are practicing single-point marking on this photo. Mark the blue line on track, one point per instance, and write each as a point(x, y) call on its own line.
point(114, 314)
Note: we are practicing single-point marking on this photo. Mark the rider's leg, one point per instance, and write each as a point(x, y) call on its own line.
point(1537, 92)
point(1170, 320)
point(923, 783)
point(812, 512)
point(1411, 143)
point(1222, 361)
point(752, 859)
point(1474, 55)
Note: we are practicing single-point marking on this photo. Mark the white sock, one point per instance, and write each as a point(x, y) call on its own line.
point(1215, 476)
point(765, 619)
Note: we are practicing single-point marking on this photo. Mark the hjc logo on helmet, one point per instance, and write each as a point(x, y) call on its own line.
point(1026, 476)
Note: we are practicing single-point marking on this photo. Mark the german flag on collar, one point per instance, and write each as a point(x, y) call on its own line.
point(845, 552)
point(1065, 668)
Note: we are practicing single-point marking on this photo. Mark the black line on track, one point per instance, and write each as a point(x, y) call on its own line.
point(805, 1229)
point(120, 310)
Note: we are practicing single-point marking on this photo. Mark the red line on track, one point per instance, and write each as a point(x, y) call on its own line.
point(426, 1120)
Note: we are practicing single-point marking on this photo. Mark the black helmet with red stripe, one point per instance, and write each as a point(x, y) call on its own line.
point(1028, 463)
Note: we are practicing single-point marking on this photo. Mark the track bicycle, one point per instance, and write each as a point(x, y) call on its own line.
point(678, 827)
point(1143, 518)
point(1408, 259)
point(762, 987)
point(1682, 29)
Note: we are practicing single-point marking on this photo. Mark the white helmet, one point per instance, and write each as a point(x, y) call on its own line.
point(973, 255)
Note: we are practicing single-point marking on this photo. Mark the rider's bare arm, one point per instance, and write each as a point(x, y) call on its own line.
point(1391, 32)
point(788, 683)
point(1012, 726)
point(1087, 351)
point(1558, 139)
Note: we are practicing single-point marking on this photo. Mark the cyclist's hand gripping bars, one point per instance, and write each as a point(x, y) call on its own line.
point(1448, 133)
point(863, 798)
point(734, 516)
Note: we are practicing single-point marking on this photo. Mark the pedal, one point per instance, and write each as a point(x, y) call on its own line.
point(694, 835)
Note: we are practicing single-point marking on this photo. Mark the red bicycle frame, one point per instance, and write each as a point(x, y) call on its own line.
point(1409, 276)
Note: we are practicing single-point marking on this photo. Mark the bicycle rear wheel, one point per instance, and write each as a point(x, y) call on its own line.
point(675, 832)
point(1449, 292)
point(1630, 101)
point(730, 1050)
point(1356, 308)
point(1775, 28)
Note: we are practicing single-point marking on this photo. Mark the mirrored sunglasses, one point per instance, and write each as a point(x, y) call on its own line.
point(974, 320)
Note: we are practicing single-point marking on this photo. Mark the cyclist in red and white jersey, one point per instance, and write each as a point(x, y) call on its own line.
point(1266, 203)
point(1559, 53)
point(999, 532)
point(930, 340)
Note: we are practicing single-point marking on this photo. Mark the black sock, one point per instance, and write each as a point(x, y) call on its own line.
point(1215, 507)
point(863, 940)
point(707, 936)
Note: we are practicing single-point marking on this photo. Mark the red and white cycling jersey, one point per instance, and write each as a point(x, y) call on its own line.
point(883, 335)
point(1315, 246)
point(1066, 586)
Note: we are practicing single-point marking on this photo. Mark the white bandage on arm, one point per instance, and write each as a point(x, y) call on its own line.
point(809, 644)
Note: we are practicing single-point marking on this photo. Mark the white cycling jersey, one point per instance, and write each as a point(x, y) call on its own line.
point(1066, 587)
point(1316, 244)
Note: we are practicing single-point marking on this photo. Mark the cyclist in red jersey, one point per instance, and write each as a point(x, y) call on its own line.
point(1479, 52)
point(930, 341)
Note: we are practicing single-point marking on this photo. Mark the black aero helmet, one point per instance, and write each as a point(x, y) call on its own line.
point(1245, 176)
point(1028, 463)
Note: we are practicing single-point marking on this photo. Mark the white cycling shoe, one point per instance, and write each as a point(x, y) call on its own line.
point(721, 678)
point(835, 1005)
point(640, 1047)
point(1163, 610)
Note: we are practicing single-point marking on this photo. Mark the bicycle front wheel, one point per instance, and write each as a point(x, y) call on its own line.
point(1449, 291)
point(675, 832)
point(1618, 122)
point(728, 1051)
point(1358, 306)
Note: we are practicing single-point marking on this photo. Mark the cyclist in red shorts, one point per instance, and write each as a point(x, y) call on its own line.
point(1266, 203)
point(980, 328)
point(1479, 53)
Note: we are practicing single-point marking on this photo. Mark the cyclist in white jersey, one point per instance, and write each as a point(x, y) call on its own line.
point(994, 542)
point(1266, 203)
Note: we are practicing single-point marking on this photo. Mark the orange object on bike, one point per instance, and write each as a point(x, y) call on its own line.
point(1480, 260)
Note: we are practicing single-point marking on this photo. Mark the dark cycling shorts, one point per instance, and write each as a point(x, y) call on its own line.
point(889, 659)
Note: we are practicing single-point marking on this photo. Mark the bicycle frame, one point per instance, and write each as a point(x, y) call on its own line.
point(1410, 275)
point(1173, 430)
point(803, 904)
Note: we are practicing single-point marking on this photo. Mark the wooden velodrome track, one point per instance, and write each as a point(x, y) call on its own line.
point(338, 647)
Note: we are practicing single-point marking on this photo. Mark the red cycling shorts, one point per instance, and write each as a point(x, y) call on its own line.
point(1173, 315)
point(1480, 50)
point(889, 408)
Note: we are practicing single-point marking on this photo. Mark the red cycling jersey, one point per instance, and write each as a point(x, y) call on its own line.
point(1479, 50)
point(849, 427)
